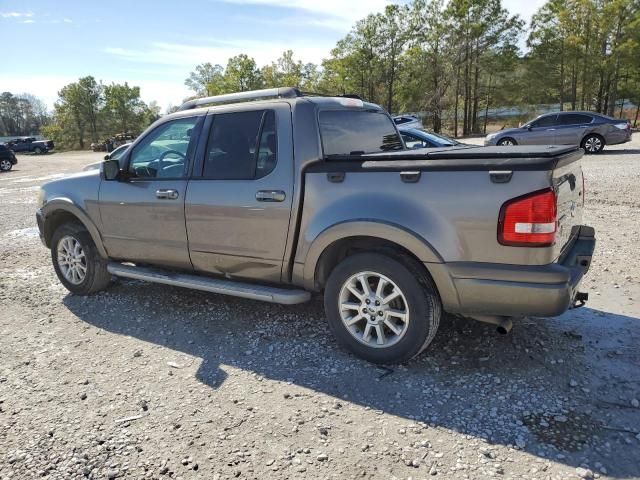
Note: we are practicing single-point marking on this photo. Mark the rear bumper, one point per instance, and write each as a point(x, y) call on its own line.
point(518, 290)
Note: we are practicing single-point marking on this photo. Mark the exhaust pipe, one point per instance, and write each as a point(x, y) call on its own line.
point(503, 324)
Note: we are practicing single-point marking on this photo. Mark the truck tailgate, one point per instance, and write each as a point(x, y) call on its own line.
point(568, 183)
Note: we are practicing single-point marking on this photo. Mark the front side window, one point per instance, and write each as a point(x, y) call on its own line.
point(163, 153)
point(346, 132)
point(548, 121)
point(241, 146)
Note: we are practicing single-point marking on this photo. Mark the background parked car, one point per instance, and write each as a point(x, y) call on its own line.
point(407, 121)
point(420, 138)
point(30, 144)
point(7, 158)
point(591, 131)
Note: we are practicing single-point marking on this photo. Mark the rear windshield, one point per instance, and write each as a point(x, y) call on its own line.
point(346, 132)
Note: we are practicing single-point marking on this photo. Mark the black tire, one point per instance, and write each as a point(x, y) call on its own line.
point(97, 277)
point(507, 141)
point(422, 303)
point(592, 144)
point(5, 165)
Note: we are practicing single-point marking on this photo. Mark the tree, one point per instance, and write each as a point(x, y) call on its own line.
point(123, 103)
point(242, 74)
point(87, 107)
point(91, 101)
point(22, 114)
point(479, 27)
point(206, 80)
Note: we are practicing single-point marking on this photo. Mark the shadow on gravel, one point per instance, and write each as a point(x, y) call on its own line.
point(549, 388)
point(628, 151)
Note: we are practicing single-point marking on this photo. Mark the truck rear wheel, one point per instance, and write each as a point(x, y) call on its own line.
point(76, 260)
point(383, 309)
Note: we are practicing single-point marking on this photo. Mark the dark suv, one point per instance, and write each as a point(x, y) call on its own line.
point(591, 131)
point(7, 158)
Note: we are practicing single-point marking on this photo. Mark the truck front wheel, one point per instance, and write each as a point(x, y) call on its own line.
point(383, 309)
point(76, 260)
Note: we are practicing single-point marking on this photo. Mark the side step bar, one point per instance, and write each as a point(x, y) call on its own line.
point(226, 287)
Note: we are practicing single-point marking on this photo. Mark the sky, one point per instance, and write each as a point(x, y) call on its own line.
point(155, 44)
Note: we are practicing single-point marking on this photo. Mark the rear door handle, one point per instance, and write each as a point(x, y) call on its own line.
point(270, 196)
point(167, 194)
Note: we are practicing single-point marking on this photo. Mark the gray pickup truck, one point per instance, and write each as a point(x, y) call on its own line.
point(274, 195)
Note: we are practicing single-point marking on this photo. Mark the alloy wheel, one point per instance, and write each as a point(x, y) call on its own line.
point(72, 260)
point(373, 309)
point(593, 144)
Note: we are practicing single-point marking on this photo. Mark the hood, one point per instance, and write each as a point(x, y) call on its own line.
point(507, 131)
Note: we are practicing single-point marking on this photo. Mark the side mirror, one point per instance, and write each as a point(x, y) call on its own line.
point(111, 169)
point(529, 127)
point(106, 157)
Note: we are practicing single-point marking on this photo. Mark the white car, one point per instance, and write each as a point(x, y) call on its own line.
point(115, 155)
point(408, 121)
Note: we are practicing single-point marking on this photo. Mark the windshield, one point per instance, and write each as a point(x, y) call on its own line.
point(437, 138)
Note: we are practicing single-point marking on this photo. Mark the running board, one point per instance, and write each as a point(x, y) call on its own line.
point(207, 284)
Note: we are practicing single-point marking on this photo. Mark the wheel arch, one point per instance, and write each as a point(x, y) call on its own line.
point(507, 137)
point(63, 210)
point(335, 242)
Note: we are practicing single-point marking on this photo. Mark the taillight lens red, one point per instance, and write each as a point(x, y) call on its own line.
point(530, 220)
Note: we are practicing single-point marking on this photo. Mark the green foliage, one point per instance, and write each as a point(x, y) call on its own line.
point(21, 115)
point(87, 110)
point(585, 53)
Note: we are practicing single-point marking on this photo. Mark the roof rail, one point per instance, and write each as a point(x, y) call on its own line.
point(282, 92)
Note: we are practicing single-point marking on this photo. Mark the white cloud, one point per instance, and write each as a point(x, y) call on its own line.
point(16, 14)
point(182, 55)
point(524, 9)
point(347, 12)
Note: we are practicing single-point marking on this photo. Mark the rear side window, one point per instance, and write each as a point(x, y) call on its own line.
point(574, 119)
point(241, 146)
point(346, 132)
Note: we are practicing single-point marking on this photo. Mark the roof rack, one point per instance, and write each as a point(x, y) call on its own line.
point(282, 92)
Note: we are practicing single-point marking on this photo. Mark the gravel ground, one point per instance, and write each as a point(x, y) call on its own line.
point(149, 381)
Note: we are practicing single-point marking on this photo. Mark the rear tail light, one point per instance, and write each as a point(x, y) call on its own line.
point(623, 126)
point(529, 221)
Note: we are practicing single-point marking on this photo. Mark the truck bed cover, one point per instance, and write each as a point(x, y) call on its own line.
point(518, 157)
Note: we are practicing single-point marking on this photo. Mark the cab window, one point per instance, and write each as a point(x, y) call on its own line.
point(163, 152)
point(347, 133)
point(241, 146)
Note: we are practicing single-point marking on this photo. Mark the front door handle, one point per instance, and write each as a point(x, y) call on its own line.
point(167, 194)
point(270, 196)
